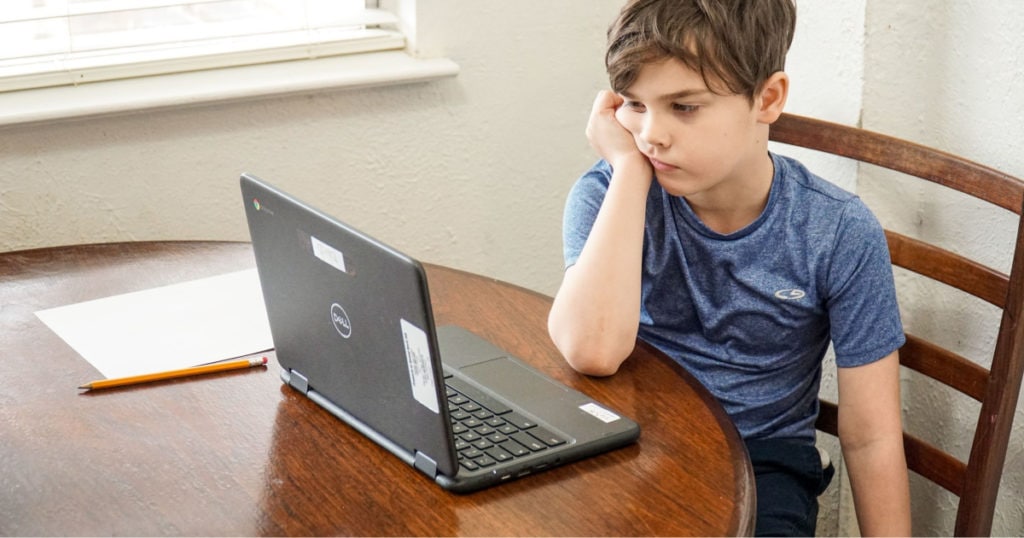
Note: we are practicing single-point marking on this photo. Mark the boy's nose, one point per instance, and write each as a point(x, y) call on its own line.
point(654, 132)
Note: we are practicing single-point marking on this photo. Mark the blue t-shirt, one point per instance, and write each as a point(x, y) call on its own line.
point(751, 314)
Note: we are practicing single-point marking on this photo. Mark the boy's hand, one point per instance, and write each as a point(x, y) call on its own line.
point(607, 136)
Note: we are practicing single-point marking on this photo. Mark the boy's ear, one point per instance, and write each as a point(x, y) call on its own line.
point(772, 98)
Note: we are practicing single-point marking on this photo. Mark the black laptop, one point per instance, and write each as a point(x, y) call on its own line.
point(353, 330)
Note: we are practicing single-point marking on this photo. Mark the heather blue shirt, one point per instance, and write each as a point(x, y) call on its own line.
point(751, 313)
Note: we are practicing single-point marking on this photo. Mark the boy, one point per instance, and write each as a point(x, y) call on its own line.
point(739, 264)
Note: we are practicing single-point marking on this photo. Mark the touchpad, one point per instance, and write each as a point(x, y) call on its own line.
point(514, 380)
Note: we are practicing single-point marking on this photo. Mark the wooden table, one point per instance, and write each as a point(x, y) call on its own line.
point(239, 454)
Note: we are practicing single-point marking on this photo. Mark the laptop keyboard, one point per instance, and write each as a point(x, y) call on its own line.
point(488, 432)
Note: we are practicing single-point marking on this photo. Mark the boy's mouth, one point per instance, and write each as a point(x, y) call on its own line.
point(661, 166)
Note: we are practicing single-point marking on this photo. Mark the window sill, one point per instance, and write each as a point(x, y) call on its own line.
point(215, 85)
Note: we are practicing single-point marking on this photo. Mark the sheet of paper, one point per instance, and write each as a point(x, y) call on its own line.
point(167, 328)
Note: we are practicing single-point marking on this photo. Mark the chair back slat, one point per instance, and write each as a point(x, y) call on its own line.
point(976, 482)
point(944, 366)
point(965, 176)
point(949, 268)
point(934, 464)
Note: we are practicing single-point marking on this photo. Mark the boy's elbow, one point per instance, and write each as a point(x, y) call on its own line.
point(591, 356)
point(592, 364)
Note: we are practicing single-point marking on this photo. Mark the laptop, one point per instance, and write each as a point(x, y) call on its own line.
point(353, 330)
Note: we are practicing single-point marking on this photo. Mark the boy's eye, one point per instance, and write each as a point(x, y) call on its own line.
point(633, 105)
point(688, 109)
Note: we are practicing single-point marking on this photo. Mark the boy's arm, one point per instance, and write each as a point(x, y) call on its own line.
point(871, 434)
point(596, 312)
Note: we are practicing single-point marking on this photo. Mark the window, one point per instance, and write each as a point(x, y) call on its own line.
point(46, 43)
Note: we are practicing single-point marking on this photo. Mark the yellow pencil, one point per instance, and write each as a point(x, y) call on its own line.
point(159, 376)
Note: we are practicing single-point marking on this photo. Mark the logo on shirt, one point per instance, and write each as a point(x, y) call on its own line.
point(789, 295)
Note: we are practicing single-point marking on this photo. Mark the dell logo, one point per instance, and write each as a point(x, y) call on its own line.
point(340, 320)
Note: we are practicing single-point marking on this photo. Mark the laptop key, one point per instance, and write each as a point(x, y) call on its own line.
point(514, 448)
point(484, 461)
point(546, 436)
point(474, 394)
point(507, 429)
point(496, 438)
point(519, 421)
point(471, 453)
point(529, 441)
point(498, 454)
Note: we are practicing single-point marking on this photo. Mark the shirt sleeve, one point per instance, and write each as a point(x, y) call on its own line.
point(581, 208)
point(862, 305)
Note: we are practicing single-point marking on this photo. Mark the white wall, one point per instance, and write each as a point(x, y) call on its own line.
point(472, 171)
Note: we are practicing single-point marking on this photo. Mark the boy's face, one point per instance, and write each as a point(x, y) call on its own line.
point(700, 143)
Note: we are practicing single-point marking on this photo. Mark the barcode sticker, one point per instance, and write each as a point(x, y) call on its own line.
point(601, 413)
point(421, 375)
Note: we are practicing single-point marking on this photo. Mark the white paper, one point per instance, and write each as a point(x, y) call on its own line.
point(169, 327)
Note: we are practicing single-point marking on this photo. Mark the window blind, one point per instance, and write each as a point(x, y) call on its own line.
point(64, 42)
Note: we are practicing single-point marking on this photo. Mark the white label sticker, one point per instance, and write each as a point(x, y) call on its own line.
point(421, 376)
point(328, 254)
point(601, 413)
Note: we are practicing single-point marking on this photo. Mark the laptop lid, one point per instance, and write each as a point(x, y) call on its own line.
point(353, 329)
point(342, 310)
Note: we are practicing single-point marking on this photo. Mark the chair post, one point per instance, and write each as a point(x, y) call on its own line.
point(995, 420)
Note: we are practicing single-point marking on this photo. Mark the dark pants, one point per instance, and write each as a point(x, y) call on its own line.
point(789, 477)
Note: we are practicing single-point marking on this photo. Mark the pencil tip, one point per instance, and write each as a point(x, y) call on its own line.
point(86, 387)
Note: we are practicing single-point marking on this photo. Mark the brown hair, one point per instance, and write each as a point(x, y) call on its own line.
point(734, 44)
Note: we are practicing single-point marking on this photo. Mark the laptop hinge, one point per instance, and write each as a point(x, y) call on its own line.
point(298, 381)
point(425, 464)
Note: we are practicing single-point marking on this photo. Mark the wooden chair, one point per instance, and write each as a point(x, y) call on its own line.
point(976, 482)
